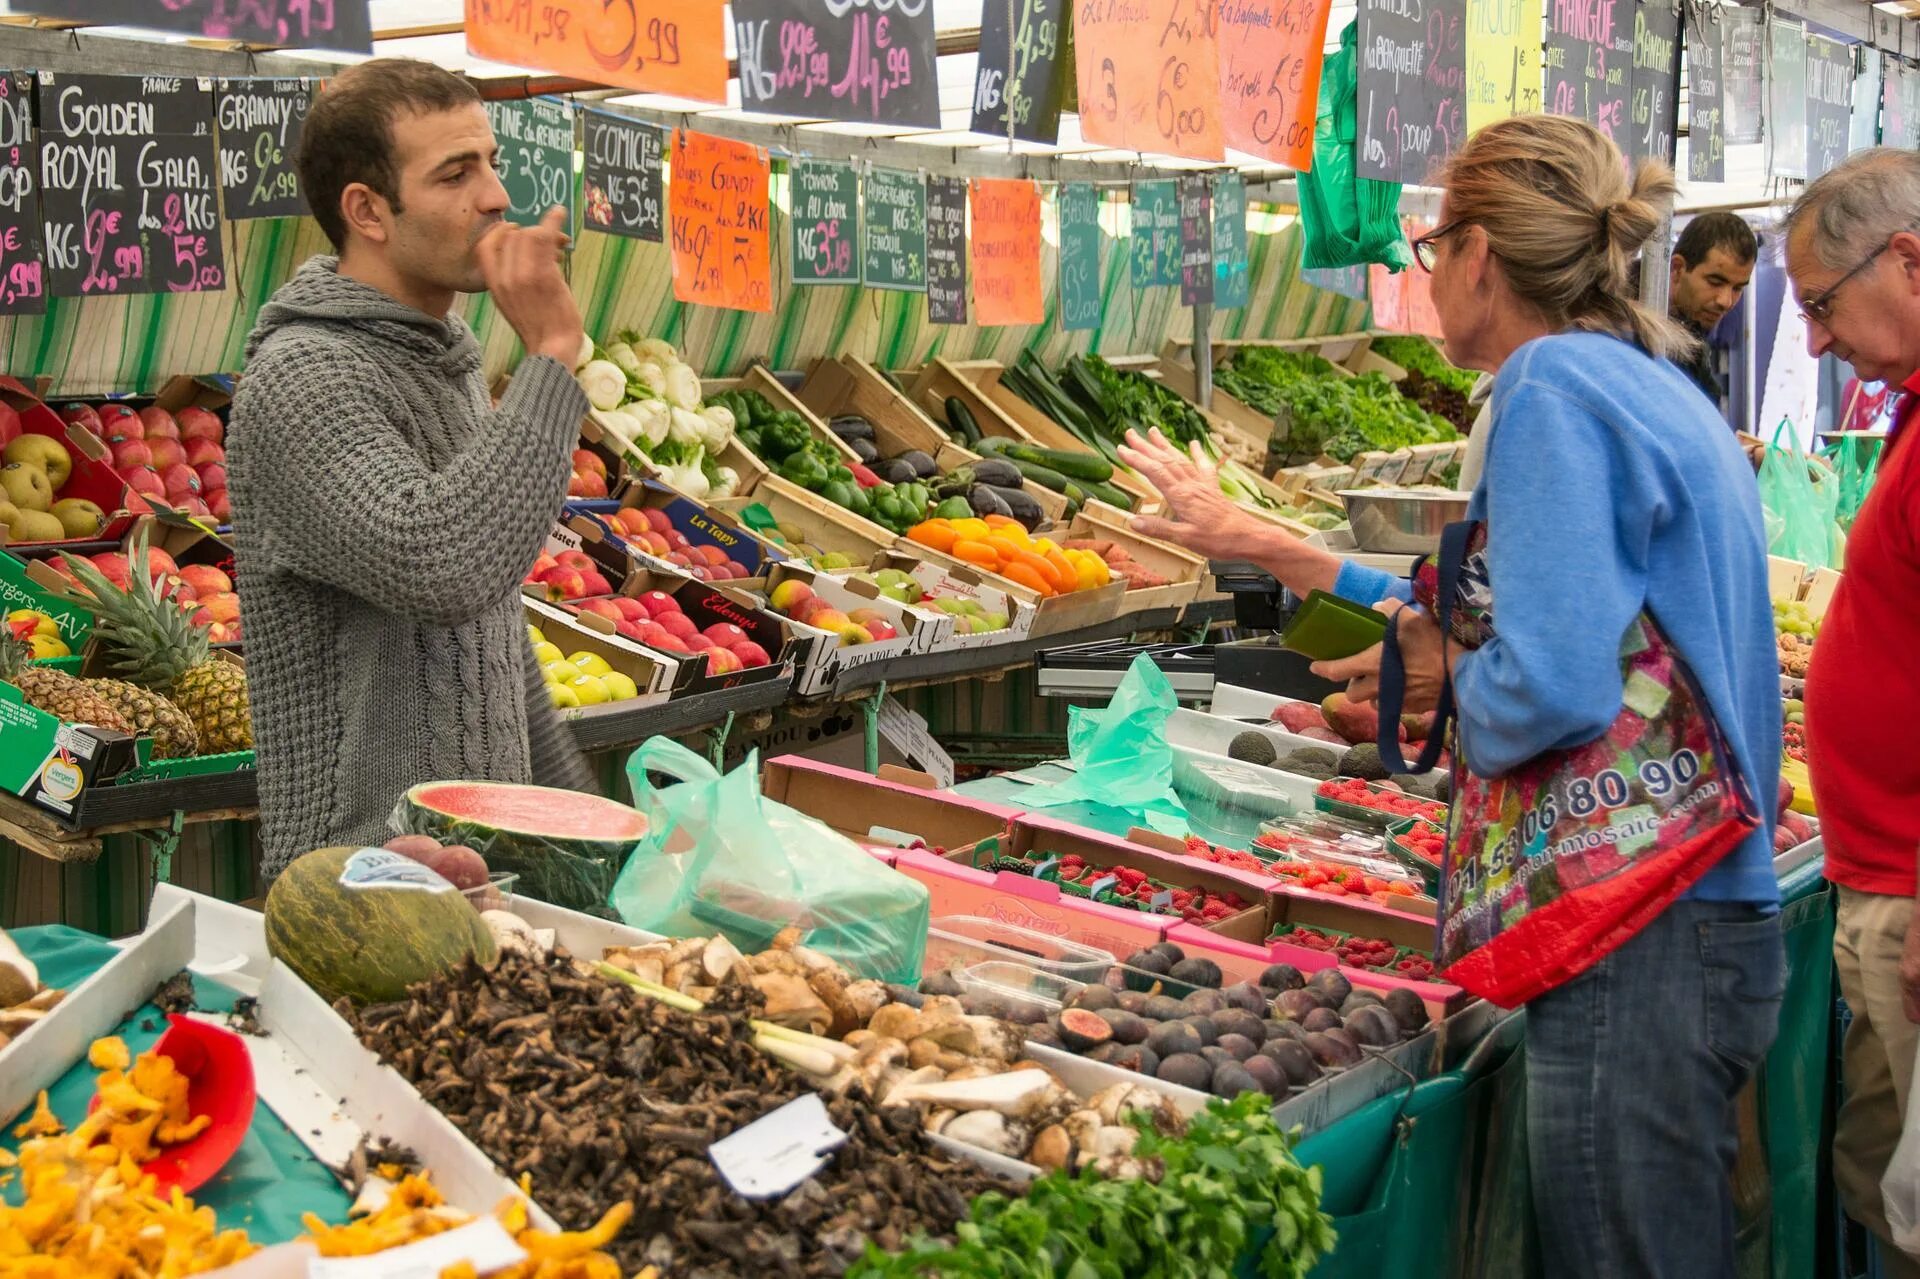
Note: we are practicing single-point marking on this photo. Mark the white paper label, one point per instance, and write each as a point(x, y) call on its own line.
point(778, 1151)
point(378, 868)
point(483, 1241)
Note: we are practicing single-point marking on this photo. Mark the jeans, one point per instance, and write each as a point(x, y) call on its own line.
point(1632, 1071)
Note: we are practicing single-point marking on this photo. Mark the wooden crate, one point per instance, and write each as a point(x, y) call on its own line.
point(759, 379)
point(834, 528)
point(1345, 350)
point(1051, 614)
point(1185, 572)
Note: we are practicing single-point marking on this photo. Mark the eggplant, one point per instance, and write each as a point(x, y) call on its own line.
point(895, 470)
point(985, 500)
point(996, 471)
point(923, 467)
point(1019, 505)
point(851, 426)
point(864, 450)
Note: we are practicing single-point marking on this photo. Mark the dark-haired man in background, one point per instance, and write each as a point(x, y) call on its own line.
point(1712, 262)
point(384, 510)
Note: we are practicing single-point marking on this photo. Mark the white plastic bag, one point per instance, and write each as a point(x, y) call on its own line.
point(1900, 1187)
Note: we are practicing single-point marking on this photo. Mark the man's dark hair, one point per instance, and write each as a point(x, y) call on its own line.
point(348, 136)
point(1712, 231)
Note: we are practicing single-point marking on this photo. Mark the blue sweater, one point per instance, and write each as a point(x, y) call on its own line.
point(1612, 485)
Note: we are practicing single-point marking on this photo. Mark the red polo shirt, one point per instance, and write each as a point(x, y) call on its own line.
point(1863, 684)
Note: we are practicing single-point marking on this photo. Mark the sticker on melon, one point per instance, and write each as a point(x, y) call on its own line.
point(566, 846)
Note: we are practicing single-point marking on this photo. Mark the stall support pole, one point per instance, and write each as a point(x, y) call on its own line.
point(870, 709)
point(717, 741)
point(1655, 266)
point(1203, 353)
point(165, 842)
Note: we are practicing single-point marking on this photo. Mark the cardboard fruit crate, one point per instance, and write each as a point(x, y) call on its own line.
point(828, 526)
point(700, 524)
point(829, 657)
point(1186, 573)
point(1052, 614)
point(892, 811)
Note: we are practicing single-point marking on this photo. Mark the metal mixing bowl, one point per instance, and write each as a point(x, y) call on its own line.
point(1402, 521)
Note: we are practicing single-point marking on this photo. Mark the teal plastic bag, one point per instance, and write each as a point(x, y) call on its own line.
point(1802, 501)
point(1121, 755)
point(1347, 220)
point(1856, 461)
point(720, 857)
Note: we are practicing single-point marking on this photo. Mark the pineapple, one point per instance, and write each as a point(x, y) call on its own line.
point(155, 645)
point(56, 692)
point(154, 716)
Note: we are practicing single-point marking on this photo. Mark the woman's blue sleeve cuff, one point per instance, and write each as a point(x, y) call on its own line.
point(1369, 586)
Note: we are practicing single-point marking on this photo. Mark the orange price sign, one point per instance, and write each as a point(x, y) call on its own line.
point(656, 46)
point(1006, 251)
point(1270, 76)
point(717, 204)
point(1149, 76)
point(1388, 292)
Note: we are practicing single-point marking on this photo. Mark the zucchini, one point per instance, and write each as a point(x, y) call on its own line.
point(1045, 477)
point(960, 418)
point(1107, 493)
point(1073, 465)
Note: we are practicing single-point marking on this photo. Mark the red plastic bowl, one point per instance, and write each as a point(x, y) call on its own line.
point(221, 1071)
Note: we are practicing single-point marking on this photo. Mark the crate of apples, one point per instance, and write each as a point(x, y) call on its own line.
point(589, 477)
point(180, 460)
point(651, 531)
point(657, 620)
point(203, 590)
point(570, 575)
point(796, 601)
point(578, 679)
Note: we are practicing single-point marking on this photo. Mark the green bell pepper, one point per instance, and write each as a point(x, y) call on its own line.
point(805, 470)
point(954, 508)
point(839, 492)
point(785, 439)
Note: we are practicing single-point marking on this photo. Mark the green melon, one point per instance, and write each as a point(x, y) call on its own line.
point(566, 846)
point(368, 942)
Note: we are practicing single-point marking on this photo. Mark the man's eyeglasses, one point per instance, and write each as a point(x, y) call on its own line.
point(1425, 248)
point(1819, 307)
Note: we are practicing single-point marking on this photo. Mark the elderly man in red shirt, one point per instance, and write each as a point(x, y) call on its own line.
point(1853, 252)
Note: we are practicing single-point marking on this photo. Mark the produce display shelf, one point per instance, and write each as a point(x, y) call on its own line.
point(680, 715)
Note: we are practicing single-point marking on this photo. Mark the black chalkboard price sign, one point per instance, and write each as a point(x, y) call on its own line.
point(536, 156)
point(23, 275)
point(299, 24)
point(1655, 86)
point(624, 194)
point(1742, 79)
point(1707, 127)
point(1829, 103)
point(1589, 58)
point(1787, 100)
point(1412, 103)
point(947, 250)
point(1196, 239)
point(260, 123)
point(129, 198)
point(1026, 76)
point(859, 60)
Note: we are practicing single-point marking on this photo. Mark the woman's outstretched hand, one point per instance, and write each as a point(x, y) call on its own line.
point(1198, 515)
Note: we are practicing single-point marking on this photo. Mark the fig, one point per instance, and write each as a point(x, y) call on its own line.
point(1330, 986)
point(1164, 1008)
point(1238, 1047)
point(1138, 1058)
point(1025, 1012)
point(1203, 1027)
point(1188, 1070)
point(1247, 998)
point(1407, 1009)
point(1294, 1058)
point(1357, 1000)
point(1196, 972)
point(1267, 1073)
point(1373, 1027)
point(1107, 1054)
point(1133, 1001)
point(1127, 1028)
point(1334, 1054)
point(1044, 1035)
point(1284, 1030)
point(1144, 970)
point(1203, 1003)
point(941, 983)
point(1234, 1022)
point(1320, 1019)
point(1294, 1005)
point(1230, 1079)
point(1216, 1055)
point(1279, 977)
point(1174, 1039)
point(1173, 953)
point(1082, 1031)
point(1094, 998)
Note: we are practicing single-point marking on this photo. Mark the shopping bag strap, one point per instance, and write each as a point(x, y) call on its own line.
point(1454, 540)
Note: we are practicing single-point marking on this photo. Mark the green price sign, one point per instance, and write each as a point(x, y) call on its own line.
point(1079, 256)
point(1229, 241)
point(894, 231)
point(536, 156)
point(1154, 249)
point(826, 218)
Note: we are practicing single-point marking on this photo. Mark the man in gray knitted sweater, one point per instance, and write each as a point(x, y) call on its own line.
point(384, 511)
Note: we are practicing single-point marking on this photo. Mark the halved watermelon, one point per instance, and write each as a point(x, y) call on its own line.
point(566, 846)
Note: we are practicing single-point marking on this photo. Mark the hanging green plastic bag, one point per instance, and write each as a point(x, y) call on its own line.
point(720, 857)
point(1121, 756)
point(1802, 499)
point(1856, 461)
point(1347, 220)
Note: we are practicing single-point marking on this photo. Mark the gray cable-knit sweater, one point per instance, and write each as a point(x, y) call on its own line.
point(384, 514)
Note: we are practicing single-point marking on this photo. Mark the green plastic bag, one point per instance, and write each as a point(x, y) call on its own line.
point(1121, 756)
point(1856, 461)
point(1802, 501)
point(720, 857)
point(1347, 220)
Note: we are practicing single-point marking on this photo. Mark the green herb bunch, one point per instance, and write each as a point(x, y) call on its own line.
point(1325, 412)
point(1229, 1188)
point(1420, 355)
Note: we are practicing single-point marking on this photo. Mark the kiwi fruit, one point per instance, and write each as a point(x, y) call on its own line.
point(1188, 1070)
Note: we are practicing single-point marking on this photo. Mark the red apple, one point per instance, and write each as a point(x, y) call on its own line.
point(578, 561)
point(212, 476)
point(587, 484)
point(588, 460)
point(224, 607)
point(722, 661)
point(671, 643)
point(652, 632)
point(540, 566)
point(130, 453)
point(192, 504)
point(182, 592)
point(159, 423)
point(596, 583)
point(630, 520)
point(601, 608)
point(632, 609)
point(118, 422)
point(659, 603)
point(180, 479)
point(676, 539)
point(700, 643)
point(881, 630)
point(166, 452)
point(655, 544)
point(658, 521)
point(205, 578)
point(114, 567)
point(563, 583)
point(679, 624)
point(144, 480)
point(725, 634)
point(216, 500)
point(630, 630)
point(751, 654)
point(197, 423)
point(201, 452)
point(76, 415)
